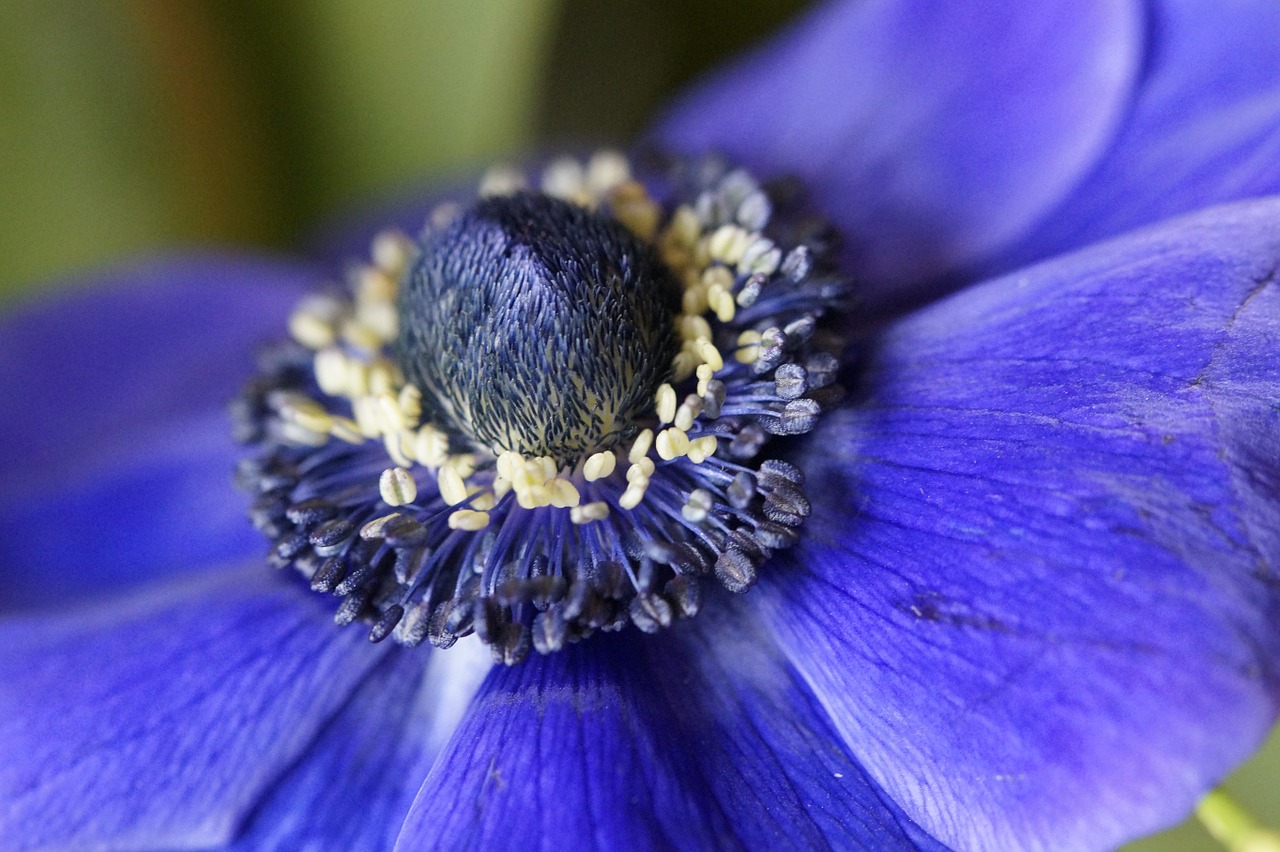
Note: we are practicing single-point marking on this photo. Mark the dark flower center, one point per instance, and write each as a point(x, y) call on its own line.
point(534, 325)
point(546, 416)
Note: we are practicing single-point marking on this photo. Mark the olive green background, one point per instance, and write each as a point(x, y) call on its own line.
point(129, 126)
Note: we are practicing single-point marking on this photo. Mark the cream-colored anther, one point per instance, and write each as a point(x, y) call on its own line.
point(365, 409)
point(634, 494)
point(306, 413)
point(589, 512)
point(633, 207)
point(508, 463)
point(382, 378)
point(374, 528)
point(464, 464)
point(330, 366)
point(705, 375)
point(696, 508)
point(671, 443)
point(294, 433)
point(710, 354)
point(665, 401)
point(380, 318)
point(721, 304)
point(410, 401)
point(468, 520)
point(361, 335)
point(452, 489)
point(694, 301)
point(693, 328)
point(641, 470)
point(688, 412)
point(501, 487)
point(399, 447)
point(315, 321)
point(599, 466)
point(481, 500)
point(431, 446)
point(640, 446)
point(748, 347)
point(357, 379)
point(391, 251)
point(346, 429)
point(564, 178)
point(501, 180)
point(683, 364)
point(728, 243)
point(374, 285)
point(605, 170)
point(563, 494)
point(701, 449)
point(397, 487)
point(390, 417)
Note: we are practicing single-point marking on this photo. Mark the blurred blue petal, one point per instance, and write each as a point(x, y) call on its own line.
point(116, 463)
point(934, 134)
point(1204, 128)
point(1040, 595)
point(703, 738)
point(163, 719)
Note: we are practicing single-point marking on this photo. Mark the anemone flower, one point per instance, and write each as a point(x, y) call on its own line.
point(1035, 603)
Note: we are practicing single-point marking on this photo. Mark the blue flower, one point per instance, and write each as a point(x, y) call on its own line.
point(1037, 602)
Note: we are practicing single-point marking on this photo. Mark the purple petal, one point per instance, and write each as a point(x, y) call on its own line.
point(697, 740)
point(160, 721)
point(117, 458)
point(1204, 129)
point(933, 134)
point(1039, 595)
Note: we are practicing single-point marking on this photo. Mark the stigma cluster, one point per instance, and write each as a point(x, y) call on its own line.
point(549, 412)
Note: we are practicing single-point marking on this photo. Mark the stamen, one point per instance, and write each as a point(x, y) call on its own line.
point(486, 382)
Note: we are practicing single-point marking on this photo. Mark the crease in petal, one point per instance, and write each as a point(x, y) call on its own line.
point(1040, 596)
point(1204, 128)
point(703, 738)
point(116, 396)
point(160, 720)
point(932, 135)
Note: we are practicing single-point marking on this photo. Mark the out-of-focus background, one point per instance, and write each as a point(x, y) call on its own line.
point(129, 126)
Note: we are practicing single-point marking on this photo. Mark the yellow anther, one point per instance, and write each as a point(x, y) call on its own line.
point(469, 520)
point(748, 347)
point(682, 365)
point(501, 180)
point(361, 335)
point(365, 409)
point(728, 243)
point(694, 328)
point(705, 374)
point(399, 445)
point(346, 429)
point(357, 379)
point(694, 301)
point(702, 449)
point(640, 446)
point(687, 412)
point(710, 354)
point(589, 512)
point(599, 466)
point(562, 493)
point(671, 444)
point(390, 417)
point(382, 378)
point(314, 322)
point(307, 414)
point(605, 170)
point(374, 528)
point(397, 487)
point(641, 470)
point(392, 251)
point(633, 207)
point(665, 400)
point(684, 227)
point(463, 463)
point(633, 495)
point(717, 276)
point(294, 433)
point(481, 500)
point(331, 371)
point(380, 318)
point(722, 304)
point(410, 400)
point(431, 446)
point(452, 489)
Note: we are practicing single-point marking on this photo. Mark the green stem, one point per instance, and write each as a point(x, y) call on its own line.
point(1233, 826)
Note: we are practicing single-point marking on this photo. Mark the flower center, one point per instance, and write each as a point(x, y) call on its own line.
point(536, 326)
point(547, 416)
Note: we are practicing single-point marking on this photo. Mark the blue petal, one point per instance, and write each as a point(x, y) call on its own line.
point(116, 460)
point(160, 721)
point(934, 134)
point(357, 781)
point(1039, 594)
point(1204, 127)
point(703, 739)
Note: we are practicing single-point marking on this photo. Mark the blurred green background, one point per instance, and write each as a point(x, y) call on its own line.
point(136, 125)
